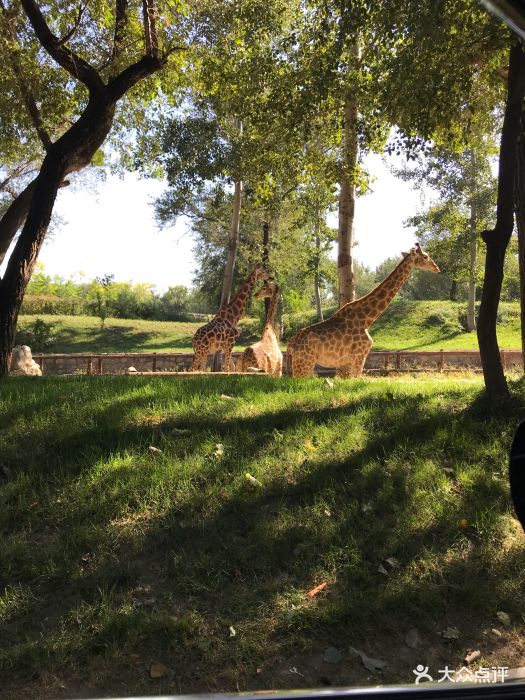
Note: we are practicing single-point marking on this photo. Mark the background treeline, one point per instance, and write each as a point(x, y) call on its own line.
point(104, 297)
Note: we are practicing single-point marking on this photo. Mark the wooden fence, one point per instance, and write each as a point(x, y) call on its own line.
point(377, 362)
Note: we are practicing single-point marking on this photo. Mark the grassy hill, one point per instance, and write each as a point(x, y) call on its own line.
point(406, 325)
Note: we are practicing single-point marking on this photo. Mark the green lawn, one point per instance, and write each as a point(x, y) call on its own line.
point(115, 557)
point(406, 325)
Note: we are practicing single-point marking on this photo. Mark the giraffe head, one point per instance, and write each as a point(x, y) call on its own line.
point(260, 272)
point(421, 260)
point(267, 290)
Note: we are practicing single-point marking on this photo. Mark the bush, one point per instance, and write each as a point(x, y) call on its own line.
point(38, 335)
point(51, 304)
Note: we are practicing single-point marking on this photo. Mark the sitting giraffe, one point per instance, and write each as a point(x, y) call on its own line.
point(222, 332)
point(343, 341)
point(265, 354)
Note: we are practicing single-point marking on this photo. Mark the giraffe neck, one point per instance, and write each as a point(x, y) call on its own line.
point(270, 316)
point(235, 309)
point(380, 298)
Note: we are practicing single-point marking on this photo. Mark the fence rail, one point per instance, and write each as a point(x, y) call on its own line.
point(380, 361)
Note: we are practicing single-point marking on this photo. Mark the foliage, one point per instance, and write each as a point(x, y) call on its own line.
point(464, 200)
point(105, 297)
point(38, 334)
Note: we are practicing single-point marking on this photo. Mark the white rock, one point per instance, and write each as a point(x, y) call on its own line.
point(22, 362)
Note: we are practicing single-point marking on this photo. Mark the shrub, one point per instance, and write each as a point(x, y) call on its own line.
point(38, 335)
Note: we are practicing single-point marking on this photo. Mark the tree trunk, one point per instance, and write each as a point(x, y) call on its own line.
point(266, 258)
point(345, 240)
point(24, 255)
point(471, 303)
point(498, 239)
point(14, 217)
point(317, 290)
point(453, 293)
point(473, 225)
point(71, 152)
point(233, 244)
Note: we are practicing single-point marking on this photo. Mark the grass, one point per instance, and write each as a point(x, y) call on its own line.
point(114, 557)
point(406, 325)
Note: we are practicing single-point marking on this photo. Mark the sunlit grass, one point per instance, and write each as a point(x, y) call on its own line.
point(129, 556)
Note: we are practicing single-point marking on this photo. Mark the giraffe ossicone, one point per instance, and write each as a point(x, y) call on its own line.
point(343, 341)
point(222, 331)
point(266, 354)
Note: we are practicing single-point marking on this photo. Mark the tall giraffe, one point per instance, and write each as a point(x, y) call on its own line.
point(266, 354)
point(343, 341)
point(222, 331)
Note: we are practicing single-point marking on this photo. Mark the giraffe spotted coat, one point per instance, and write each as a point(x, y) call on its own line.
point(266, 354)
point(222, 331)
point(343, 341)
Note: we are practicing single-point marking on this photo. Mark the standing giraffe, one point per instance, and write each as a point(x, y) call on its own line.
point(222, 332)
point(343, 341)
point(266, 354)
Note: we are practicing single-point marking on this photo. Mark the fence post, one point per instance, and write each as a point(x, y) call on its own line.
point(154, 366)
point(99, 363)
point(398, 361)
point(90, 364)
point(441, 360)
point(503, 359)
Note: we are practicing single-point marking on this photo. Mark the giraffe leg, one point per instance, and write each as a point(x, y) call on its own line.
point(345, 371)
point(228, 365)
point(302, 367)
point(278, 371)
point(355, 367)
point(199, 361)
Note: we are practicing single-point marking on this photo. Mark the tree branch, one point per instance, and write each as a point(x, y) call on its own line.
point(73, 64)
point(150, 30)
point(23, 168)
point(23, 84)
point(71, 33)
point(131, 75)
point(121, 20)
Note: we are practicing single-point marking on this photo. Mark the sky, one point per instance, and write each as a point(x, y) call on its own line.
point(109, 228)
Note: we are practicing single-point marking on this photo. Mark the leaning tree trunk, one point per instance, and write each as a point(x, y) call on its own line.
point(73, 150)
point(345, 239)
point(498, 239)
point(233, 244)
point(14, 217)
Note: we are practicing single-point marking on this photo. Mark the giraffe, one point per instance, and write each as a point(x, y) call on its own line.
point(343, 341)
point(265, 354)
point(222, 332)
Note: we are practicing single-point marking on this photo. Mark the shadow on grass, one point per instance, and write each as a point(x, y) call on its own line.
point(157, 566)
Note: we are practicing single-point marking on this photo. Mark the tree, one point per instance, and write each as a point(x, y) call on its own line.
point(108, 34)
point(448, 52)
point(498, 238)
point(463, 182)
point(231, 115)
point(99, 297)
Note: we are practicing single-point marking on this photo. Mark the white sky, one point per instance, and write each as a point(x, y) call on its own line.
point(111, 229)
